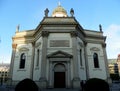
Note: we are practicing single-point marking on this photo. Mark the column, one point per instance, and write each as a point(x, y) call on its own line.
point(43, 80)
point(76, 79)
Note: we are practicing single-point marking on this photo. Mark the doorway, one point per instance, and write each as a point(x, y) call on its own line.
point(59, 79)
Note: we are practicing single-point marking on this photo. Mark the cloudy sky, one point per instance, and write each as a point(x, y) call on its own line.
point(89, 13)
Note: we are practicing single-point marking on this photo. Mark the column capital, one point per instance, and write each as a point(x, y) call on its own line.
point(33, 43)
point(73, 33)
point(14, 46)
point(104, 45)
point(45, 33)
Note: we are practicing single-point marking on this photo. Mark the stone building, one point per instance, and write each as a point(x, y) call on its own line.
point(59, 52)
point(4, 72)
point(118, 62)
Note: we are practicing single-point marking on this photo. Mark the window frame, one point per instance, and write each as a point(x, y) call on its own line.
point(96, 60)
point(22, 61)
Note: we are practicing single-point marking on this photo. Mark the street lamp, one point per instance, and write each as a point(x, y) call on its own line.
point(0, 79)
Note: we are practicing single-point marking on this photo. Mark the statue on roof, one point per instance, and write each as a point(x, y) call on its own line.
point(72, 12)
point(46, 12)
point(17, 28)
point(100, 27)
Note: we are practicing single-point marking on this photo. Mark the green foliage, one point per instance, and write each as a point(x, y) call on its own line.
point(114, 76)
point(95, 84)
point(26, 85)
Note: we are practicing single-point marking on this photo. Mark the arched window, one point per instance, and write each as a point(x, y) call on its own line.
point(37, 61)
point(96, 61)
point(22, 61)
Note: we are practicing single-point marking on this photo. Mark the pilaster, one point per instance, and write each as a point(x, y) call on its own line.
point(32, 61)
point(14, 46)
point(86, 61)
point(68, 75)
point(76, 79)
point(106, 64)
point(43, 79)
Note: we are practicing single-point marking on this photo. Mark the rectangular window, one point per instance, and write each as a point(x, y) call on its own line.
point(37, 61)
point(81, 57)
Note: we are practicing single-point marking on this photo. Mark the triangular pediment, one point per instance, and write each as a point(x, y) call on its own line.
point(59, 54)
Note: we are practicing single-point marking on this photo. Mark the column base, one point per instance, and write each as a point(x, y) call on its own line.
point(109, 80)
point(43, 83)
point(76, 82)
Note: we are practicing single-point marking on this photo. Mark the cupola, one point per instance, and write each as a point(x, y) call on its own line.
point(59, 11)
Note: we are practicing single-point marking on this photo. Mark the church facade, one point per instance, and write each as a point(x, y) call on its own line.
point(59, 53)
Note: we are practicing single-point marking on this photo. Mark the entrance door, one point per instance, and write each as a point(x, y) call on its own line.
point(59, 79)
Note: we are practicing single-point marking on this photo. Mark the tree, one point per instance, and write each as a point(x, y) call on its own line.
point(96, 84)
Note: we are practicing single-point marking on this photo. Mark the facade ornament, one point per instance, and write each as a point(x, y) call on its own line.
point(100, 27)
point(46, 12)
point(72, 12)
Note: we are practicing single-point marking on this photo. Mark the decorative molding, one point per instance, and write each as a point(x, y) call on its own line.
point(94, 49)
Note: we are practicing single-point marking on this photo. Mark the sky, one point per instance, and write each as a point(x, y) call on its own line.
point(89, 13)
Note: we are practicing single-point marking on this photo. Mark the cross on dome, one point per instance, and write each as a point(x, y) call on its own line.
point(59, 4)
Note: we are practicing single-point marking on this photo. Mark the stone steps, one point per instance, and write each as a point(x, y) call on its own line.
point(60, 89)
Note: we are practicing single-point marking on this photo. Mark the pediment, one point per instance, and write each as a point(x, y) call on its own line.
point(59, 54)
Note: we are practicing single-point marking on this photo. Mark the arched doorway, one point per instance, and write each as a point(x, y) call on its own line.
point(59, 76)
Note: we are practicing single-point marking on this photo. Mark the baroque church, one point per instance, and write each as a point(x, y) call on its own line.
point(59, 52)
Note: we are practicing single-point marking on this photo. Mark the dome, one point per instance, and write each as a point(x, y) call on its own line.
point(59, 12)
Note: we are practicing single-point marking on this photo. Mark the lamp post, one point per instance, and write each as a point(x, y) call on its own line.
point(0, 79)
